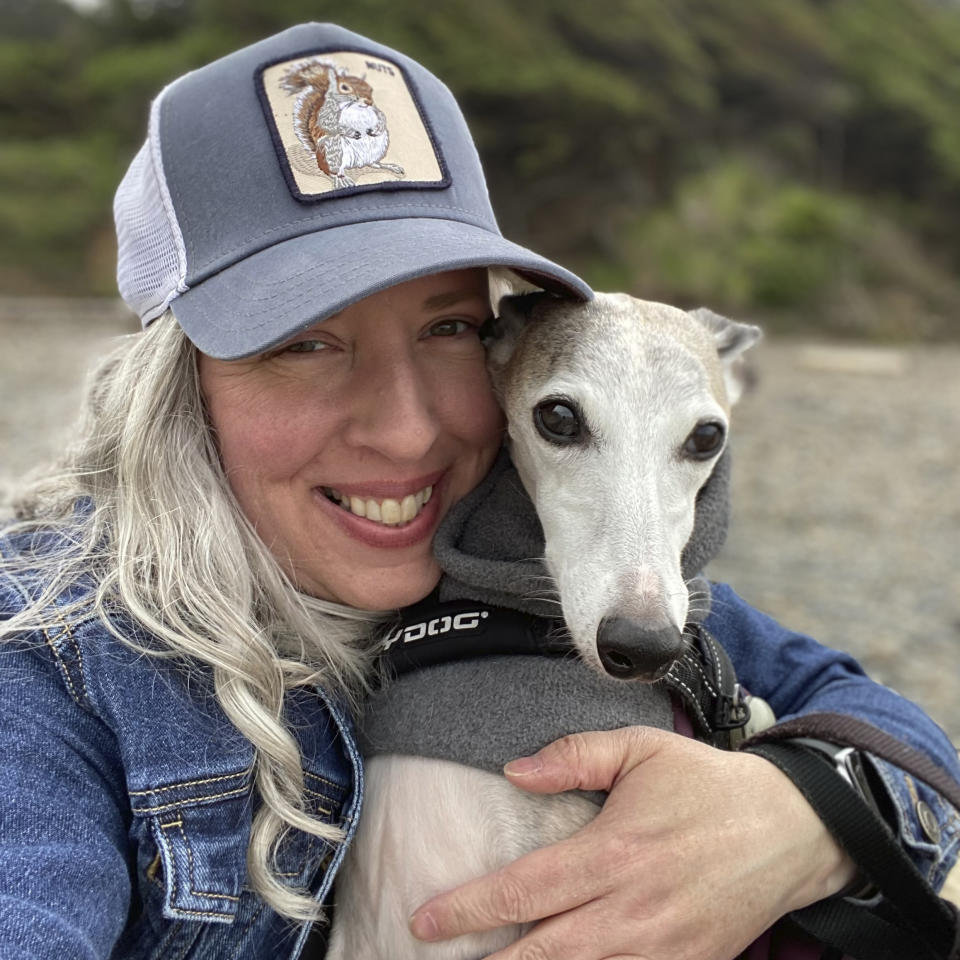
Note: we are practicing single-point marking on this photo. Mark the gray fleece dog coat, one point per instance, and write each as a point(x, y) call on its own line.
point(484, 712)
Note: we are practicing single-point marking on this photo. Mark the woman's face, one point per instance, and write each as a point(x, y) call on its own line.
point(335, 439)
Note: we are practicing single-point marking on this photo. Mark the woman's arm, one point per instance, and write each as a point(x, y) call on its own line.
point(797, 676)
point(64, 876)
point(696, 851)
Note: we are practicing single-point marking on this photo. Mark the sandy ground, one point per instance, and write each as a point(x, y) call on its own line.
point(846, 516)
point(846, 485)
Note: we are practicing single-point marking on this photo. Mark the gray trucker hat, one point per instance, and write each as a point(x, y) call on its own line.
point(298, 175)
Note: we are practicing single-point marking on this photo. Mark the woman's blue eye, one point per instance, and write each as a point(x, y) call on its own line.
point(305, 346)
point(449, 328)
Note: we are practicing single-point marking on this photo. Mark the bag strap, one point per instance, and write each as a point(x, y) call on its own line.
point(910, 920)
point(851, 732)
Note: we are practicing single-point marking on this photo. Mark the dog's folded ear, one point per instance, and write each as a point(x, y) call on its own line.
point(501, 334)
point(732, 339)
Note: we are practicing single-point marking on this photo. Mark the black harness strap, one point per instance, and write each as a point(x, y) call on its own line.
point(432, 633)
point(704, 680)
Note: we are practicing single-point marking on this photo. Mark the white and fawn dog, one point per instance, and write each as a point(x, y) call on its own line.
point(617, 411)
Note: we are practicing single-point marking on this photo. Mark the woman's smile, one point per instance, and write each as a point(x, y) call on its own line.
point(405, 514)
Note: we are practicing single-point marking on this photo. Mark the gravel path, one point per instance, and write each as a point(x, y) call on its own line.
point(846, 510)
point(847, 474)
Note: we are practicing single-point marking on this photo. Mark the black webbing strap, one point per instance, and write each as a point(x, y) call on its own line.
point(432, 633)
point(910, 920)
point(704, 679)
point(852, 732)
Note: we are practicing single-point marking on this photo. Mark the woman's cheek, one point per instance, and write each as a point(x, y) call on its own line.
point(469, 391)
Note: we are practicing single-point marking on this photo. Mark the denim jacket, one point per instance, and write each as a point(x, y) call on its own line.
point(127, 800)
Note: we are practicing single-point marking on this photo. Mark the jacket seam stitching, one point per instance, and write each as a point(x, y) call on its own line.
point(320, 796)
point(244, 933)
point(192, 877)
point(329, 783)
point(174, 930)
point(201, 913)
point(174, 878)
point(193, 800)
point(190, 783)
point(62, 665)
point(76, 650)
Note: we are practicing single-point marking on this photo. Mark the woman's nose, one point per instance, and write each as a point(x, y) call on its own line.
point(393, 409)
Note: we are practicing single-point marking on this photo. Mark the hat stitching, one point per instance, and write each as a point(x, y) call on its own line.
point(294, 279)
point(419, 215)
point(280, 149)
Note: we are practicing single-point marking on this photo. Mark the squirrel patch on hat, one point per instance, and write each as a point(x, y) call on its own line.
point(345, 121)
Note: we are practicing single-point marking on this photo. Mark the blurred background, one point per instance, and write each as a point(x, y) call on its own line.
point(795, 163)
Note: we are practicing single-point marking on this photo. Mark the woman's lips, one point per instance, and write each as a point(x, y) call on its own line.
point(376, 534)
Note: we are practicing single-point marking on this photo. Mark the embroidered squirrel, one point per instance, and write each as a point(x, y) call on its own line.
point(336, 120)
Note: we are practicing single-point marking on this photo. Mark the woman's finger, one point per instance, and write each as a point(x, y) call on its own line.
point(570, 936)
point(540, 884)
point(619, 926)
point(594, 760)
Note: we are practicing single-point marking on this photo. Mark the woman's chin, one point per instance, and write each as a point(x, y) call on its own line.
point(388, 589)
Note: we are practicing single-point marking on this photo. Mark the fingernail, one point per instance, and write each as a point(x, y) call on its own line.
point(423, 926)
point(523, 766)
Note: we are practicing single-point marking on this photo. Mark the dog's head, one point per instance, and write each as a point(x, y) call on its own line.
point(618, 410)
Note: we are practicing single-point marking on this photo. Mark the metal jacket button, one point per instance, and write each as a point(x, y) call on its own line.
point(928, 821)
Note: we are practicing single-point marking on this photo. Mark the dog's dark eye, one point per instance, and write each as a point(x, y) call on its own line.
point(705, 440)
point(557, 421)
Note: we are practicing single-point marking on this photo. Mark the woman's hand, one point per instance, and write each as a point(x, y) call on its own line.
point(695, 853)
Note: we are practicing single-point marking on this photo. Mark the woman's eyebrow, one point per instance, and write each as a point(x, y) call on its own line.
point(440, 300)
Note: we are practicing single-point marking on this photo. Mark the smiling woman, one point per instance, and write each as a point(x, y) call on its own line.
point(347, 444)
point(191, 599)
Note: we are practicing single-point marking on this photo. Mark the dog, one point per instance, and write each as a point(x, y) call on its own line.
point(617, 412)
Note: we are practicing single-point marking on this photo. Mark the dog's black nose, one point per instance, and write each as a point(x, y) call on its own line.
point(630, 650)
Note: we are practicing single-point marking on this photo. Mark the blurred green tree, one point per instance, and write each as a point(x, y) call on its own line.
point(747, 155)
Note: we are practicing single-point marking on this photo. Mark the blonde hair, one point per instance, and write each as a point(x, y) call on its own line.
point(141, 502)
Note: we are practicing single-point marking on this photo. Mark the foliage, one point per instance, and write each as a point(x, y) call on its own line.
point(762, 157)
point(744, 240)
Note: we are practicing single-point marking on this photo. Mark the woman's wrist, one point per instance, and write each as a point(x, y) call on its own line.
point(813, 865)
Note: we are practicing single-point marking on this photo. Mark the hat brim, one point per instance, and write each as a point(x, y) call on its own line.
point(267, 297)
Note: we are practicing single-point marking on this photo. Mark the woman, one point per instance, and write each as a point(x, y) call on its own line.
point(304, 235)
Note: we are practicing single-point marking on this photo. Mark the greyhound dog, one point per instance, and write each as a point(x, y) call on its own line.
point(617, 411)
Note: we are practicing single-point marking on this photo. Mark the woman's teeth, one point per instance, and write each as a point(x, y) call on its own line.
point(389, 512)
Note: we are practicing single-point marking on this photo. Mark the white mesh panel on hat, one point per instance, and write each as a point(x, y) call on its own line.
point(151, 258)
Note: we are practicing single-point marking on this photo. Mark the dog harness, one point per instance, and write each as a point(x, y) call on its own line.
point(433, 633)
point(482, 671)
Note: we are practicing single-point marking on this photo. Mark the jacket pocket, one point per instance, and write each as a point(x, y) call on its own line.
point(193, 835)
point(300, 856)
point(193, 843)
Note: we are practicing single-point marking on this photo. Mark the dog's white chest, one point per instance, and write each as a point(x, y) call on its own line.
point(430, 825)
